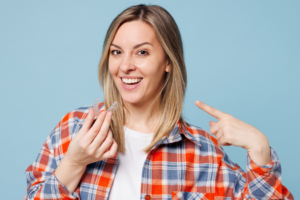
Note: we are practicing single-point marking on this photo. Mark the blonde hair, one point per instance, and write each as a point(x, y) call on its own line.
point(172, 94)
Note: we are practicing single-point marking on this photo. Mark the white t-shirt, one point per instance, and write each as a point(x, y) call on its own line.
point(127, 182)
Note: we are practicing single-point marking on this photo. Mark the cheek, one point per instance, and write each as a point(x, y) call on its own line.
point(151, 67)
point(156, 70)
point(112, 68)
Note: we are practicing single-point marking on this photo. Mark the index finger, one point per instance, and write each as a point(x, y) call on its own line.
point(210, 110)
point(88, 120)
point(95, 129)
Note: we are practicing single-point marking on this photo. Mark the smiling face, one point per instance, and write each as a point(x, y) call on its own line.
point(137, 63)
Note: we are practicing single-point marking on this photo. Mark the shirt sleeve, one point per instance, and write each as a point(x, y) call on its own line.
point(41, 180)
point(264, 182)
point(259, 182)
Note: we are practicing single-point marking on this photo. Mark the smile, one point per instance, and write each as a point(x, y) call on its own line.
point(131, 81)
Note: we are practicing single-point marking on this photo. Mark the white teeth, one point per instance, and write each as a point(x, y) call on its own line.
point(131, 80)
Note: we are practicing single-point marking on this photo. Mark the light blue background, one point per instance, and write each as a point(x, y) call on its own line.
point(242, 57)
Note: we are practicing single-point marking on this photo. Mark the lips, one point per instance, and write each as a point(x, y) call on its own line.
point(130, 83)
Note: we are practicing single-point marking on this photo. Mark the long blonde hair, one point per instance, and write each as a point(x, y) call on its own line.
point(175, 82)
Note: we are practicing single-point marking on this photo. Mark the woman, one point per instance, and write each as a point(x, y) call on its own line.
point(144, 149)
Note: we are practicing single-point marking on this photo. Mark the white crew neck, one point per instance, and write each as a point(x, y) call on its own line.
point(132, 133)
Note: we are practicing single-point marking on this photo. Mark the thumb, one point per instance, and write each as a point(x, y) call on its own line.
point(211, 123)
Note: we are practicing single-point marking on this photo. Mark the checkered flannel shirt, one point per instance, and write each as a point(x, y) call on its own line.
point(188, 164)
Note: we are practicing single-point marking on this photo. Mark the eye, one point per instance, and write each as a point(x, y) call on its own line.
point(142, 52)
point(115, 52)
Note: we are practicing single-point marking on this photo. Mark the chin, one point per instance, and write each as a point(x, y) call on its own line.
point(131, 99)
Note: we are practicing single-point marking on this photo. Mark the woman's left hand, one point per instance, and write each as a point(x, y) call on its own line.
point(232, 131)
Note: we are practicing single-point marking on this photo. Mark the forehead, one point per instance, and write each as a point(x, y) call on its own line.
point(135, 32)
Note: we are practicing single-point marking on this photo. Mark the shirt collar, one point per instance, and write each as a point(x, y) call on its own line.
point(177, 134)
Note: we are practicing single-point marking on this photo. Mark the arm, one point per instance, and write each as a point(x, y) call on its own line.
point(269, 176)
point(263, 177)
point(41, 180)
point(61, 162)
point(259, 182)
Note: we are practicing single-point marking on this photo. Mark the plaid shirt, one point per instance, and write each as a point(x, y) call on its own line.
point(188, 164)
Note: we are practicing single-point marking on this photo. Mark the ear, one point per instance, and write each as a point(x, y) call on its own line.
point(168, 67)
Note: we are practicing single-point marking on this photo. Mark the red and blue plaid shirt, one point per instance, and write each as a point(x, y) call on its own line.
point(188, 164)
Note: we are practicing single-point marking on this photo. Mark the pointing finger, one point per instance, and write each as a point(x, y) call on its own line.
point(210, 110)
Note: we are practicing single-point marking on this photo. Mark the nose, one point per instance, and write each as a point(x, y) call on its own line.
point(127, 64)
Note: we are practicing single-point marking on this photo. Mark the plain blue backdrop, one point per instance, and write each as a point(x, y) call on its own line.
point(242, 57)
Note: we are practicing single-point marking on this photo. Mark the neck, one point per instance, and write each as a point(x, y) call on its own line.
point(142, 117)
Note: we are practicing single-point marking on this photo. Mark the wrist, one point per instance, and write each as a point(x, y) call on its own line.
point(69, 174)
point(258, 143)
point(71, 164)
point(260, 153)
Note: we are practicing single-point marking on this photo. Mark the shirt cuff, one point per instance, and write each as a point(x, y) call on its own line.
point(64, 192)
point(272, 166)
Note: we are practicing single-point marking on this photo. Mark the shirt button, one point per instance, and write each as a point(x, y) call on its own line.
point(147, 197)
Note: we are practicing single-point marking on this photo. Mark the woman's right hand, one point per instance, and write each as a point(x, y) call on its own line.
point(93, 142)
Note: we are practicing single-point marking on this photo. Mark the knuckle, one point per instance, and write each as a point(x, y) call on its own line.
point(109, 140)
point(101, 116)
point(96, 130)
point(113, 150)
point(90, 152)
point(228, 116)
point(221, 142)
point(115, 145)
point(227, 137)
point(109, 135)
point(213, 131)
point(111, 154)
point(82, 146)
point(99, 155)
point(226, 122)
point(116, 148)
point(102, 134)
point(107, 118)
point(226, 128)
point(212, 109)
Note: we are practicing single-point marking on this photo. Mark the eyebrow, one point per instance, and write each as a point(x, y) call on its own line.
point(136, 46)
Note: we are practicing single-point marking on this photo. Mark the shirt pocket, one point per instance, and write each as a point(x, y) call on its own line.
point(180, 195)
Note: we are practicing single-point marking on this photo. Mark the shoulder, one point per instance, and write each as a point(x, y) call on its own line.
point(68, 126)
point(201, 136)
